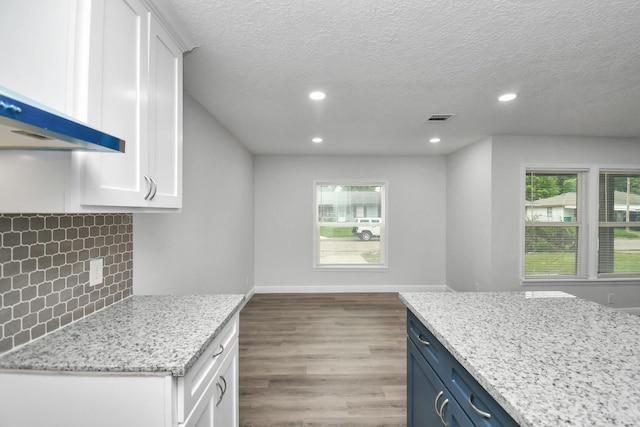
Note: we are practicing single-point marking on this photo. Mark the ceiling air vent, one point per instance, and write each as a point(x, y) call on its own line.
point(439, 118)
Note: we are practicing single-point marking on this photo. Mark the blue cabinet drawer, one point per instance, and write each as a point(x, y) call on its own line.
point(429, 403)
point(481, 408)
point(437, 356)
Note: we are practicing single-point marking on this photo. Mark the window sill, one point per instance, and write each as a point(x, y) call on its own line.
point(363, 268)
point(582, 282)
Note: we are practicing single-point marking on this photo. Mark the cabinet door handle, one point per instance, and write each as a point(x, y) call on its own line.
point(148, 179)
point(222, 390)
point(435, 404)
point(422, 340)
point(218, 353)
point(221, 393)
point(155, 188)
point(441, 412)
point(479, 411)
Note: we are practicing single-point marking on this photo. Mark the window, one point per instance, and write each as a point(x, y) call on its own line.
point(350, 224)
point(619, 224)
point(582, 224)
point(553, 230)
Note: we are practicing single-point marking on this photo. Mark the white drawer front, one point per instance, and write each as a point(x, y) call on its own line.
point(192, 386)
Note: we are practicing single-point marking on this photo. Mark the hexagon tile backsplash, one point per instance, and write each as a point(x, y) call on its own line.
point(44, 270)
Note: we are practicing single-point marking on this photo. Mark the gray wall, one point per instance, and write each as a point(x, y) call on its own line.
point(469, 218)
point(452, 220)
point(284, 187)
point(490, 172)
point(208, 247)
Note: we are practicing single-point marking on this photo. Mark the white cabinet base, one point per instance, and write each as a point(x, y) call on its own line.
point(64, 400)
point(80, 399)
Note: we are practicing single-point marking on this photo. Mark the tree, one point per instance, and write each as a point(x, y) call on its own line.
point(542, 186)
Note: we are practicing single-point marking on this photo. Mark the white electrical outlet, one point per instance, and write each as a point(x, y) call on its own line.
point(95, 272)
point(610, 298)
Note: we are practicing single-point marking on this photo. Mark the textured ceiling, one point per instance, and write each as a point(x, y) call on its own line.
point(386, 65)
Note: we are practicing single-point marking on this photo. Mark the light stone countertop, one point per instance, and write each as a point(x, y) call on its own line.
point(155, 334)
point(548, 359)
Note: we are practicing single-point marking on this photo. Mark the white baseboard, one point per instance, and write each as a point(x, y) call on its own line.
point(248, 295)
point(347, 289)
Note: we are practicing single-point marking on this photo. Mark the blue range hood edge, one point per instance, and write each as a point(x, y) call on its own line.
point(26, 125)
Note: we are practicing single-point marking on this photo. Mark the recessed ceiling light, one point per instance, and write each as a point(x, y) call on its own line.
point(317, 140)
point(434, 140)
point(507, 97)
point(317, 95)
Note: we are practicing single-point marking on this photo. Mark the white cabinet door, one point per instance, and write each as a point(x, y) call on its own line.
point(135, 93)
point(165, 119)
point(226, 410)
point(85, 399)
point(117, 97)
point(37, 40)
point(206, 418)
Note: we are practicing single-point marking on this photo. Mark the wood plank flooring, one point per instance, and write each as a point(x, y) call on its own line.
point(334, 360)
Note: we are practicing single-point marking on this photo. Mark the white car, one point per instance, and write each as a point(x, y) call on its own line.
point(370, 228)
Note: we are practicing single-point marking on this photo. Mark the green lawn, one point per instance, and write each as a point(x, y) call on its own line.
point(326, 231)
point(563, 263)
point(619, 232)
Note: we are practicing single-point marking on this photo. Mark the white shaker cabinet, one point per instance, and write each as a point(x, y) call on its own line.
point(218, 405)
point(116, 65)
point(227, 393)
point(117, 91)
point(135, 92)
point(209, 391)
point(207, 396)
point(165, 119)
point(38, 46)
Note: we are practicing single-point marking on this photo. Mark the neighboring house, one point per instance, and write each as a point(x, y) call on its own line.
point(336, 206)
point(562, 208)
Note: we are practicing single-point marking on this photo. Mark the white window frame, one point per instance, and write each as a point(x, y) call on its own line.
point(582, 222)
point(589, 223)
point(611, 276)
point(384, 226)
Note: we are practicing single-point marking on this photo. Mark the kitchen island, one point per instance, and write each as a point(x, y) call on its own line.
point(546, 358)
point(166, 360)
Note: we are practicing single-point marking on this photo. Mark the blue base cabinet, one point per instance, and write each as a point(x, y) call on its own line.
point(429, 404)
point(440, 392)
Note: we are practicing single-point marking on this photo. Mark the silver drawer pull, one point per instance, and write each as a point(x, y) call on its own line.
point(148, 179)
point(479, 411)
point(422, 340)
point(222, 390)
point(221, 393)
point(441, 413)
point(435, 404)
point(218, 353)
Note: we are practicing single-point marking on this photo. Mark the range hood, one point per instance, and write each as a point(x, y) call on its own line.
point(26, 125)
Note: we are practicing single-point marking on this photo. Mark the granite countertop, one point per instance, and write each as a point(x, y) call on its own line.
point(547, 358)
point(154, 334)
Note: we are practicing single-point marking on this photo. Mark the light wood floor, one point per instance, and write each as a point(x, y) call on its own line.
point(323, 360)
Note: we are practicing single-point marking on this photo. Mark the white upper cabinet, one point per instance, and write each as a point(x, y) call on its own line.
point(37, 41)
point(115, 65)
point(116, 104)
point(165, 119)
point(40, 43)
point(135, 92)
